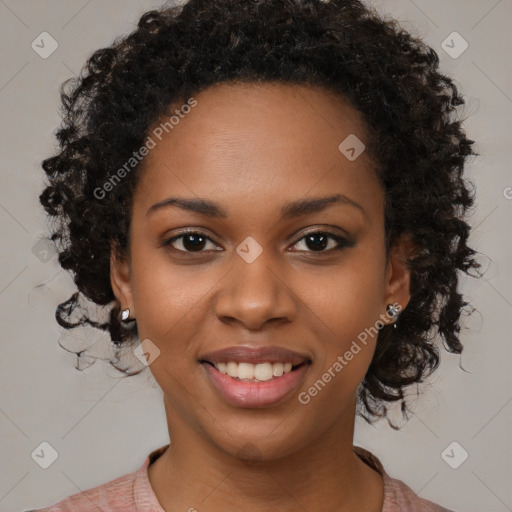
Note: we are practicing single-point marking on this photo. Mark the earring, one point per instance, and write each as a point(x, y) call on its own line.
point(125, 314)
point(393, 311)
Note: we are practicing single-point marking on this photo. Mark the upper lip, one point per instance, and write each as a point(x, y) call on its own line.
point(246, 354)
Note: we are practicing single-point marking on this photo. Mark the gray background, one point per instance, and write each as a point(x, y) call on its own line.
point(102, 426)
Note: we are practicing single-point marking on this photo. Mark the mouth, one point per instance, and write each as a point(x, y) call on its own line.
point(255, 377)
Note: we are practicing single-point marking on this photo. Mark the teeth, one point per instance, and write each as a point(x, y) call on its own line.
point(248, 371)
point(263, 371)
point(277, 369)
point(245, 371)
point(232, 369)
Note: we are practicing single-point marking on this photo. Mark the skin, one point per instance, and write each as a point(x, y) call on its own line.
point(252, 148)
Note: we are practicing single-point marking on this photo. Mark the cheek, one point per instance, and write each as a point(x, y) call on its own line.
point(349, 298)
point(169, 313)
point(349, 305)
point(169, 300)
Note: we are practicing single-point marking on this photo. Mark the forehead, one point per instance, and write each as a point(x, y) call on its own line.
point(259, 143)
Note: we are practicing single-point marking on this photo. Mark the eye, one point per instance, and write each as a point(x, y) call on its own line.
point(190, 242)
point(319, 240)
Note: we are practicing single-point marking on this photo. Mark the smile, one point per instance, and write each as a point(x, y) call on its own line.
point(255, 377)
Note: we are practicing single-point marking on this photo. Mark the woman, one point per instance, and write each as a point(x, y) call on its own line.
point(269, 197)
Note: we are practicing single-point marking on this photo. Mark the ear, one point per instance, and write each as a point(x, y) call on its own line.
point(120, 279)
point(398, 276)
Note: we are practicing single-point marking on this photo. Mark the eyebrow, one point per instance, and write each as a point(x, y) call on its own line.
point(294, 209)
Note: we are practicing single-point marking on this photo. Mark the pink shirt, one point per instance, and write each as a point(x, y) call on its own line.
point(133, 492)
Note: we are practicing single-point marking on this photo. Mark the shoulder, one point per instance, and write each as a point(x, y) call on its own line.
point(109, 497)
point(398, 496)
point(404, 498)
point(127, 492)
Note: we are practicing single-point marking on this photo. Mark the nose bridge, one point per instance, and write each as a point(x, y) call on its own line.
point(254, 291)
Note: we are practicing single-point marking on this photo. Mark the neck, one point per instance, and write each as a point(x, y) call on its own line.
point(324, 475)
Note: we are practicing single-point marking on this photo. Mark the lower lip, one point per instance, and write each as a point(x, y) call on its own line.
point(255, 394)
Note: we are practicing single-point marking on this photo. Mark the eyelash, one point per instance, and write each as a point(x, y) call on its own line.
point(341, 241)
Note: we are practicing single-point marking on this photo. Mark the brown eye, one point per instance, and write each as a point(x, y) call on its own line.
point(317, 241)
point(192, 241)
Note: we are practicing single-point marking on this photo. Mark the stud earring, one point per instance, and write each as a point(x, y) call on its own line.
point(125, 314)
point(393, 311)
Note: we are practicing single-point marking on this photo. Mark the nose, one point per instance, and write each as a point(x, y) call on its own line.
point(253, 294)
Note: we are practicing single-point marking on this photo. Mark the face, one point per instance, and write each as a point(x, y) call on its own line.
point(266, 271)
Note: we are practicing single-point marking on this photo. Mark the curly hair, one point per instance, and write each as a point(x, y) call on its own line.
point(343, 46)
